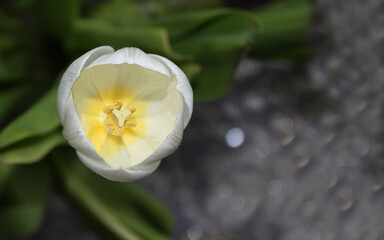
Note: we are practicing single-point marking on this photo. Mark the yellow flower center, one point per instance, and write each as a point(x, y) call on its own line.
point(128, 117)
point(118, 118)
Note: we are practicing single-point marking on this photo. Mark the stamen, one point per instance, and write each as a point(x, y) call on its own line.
point(117, 119)
point(130, 124)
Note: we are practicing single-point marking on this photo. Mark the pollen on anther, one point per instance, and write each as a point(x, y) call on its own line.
point(130, 124)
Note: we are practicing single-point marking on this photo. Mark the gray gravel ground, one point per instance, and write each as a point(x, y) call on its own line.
point(295, 152)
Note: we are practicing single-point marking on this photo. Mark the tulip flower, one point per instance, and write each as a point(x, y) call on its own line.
point(123, 111)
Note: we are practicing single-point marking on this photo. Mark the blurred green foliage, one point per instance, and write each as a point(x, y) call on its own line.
point(38, 120)
point(115, 209)
point(23, 199)
point(283, 30)
point(40, 38)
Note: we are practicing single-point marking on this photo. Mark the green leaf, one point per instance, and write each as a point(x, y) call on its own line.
point(31, 149)
point(55, 18)
point(6, 42)
point(121, 13)
point(90, 33)
point(13, 67)
point(23, 201)
point(118, 209)
point(159, 7)
point(137, 13)
point(9, 22)
point(216, 40)
point(181, 24)
point(39, 119)
point(283, 30)
point(8, 99)
point(5, 173)
point(19, 220)
point(190, 69)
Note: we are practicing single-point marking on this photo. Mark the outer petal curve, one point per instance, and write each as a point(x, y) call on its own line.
point(74, 133)
point(183, 86)
point(71, 74)
point(131, 56)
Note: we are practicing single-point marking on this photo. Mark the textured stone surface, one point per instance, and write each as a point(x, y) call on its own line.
point(311, 164)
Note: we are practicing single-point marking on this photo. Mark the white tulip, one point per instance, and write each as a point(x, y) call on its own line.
point(123, 111)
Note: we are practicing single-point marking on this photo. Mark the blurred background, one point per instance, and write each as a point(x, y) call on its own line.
point(285, 142)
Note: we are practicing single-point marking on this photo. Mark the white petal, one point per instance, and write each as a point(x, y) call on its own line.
point(93, 161)
point(117, 174)
point(183, 86)
point(170, 144)
point(72, 73)
point(131, 56)
point(76, 136)
point(73, 130)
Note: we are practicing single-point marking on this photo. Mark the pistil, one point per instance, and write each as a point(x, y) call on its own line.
point(118, 118)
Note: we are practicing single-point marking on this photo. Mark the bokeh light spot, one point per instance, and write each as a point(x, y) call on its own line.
point(235, 137)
